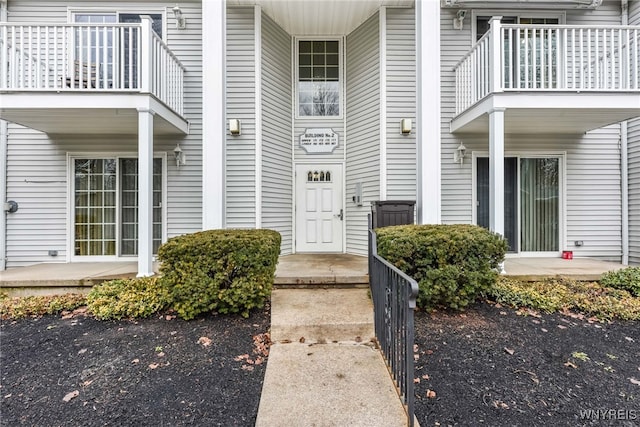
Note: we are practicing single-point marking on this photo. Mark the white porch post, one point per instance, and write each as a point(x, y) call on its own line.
point(496, 171)
point(213, 113)
point(428, 111)
point(145, 192)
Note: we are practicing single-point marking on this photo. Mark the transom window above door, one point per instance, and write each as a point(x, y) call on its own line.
point(318, 78)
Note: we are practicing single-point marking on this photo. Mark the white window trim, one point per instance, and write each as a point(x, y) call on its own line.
point(562, 215)
point(561, 16)
point(341, 76)
point(72, 11)
point(71, 257)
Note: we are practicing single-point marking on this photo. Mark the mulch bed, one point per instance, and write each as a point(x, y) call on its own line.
point(500, 367)
point(160, 371)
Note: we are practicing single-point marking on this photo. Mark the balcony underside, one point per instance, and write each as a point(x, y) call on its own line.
point(89, 113)
point(549, 112)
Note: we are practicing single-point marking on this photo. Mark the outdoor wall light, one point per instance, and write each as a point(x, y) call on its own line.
point(405, 126)
point(459, 19)
point(180, 157)
point(458, 155)
point(181, 21)
point(234, 126)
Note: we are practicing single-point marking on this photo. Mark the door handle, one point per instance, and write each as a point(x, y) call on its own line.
point(340, 215)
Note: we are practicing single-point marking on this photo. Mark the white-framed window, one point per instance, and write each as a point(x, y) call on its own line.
point(535, 52)
point(104, 205)
point(318, 78)
point(96, 48)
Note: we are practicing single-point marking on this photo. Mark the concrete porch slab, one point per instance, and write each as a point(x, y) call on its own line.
point(530, 269)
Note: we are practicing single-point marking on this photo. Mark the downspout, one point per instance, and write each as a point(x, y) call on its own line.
point(4, 139)
point(624, 164)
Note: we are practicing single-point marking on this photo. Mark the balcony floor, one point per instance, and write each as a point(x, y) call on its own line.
point(89, 112)
point(550, 112)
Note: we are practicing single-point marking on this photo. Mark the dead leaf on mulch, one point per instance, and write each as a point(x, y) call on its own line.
point(431, 394)
point(69, 396)
point(500, 404)
point(634, 381)
point(204, 341)
point(153, 365)
point(508, 350)
point(135, 361)
point(562, 327)
point(570, 364)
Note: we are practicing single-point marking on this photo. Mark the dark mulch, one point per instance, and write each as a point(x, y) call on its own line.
point(152, 372)
point(477, 381)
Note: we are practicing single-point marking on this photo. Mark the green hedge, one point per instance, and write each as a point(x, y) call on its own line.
point(627, 279)
point(226, 271)
point(452, 264)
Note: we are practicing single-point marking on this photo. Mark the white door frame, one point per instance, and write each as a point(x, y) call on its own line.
point(562, 164)
point(295, 198)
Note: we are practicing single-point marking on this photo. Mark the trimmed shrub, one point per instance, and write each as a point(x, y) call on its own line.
point(128, 298)
point(559, 294)
point(627, 279)
point(19, 307)
point(226, 271)
point(452, 264)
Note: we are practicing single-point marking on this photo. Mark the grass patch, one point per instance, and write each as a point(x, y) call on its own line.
point(556, 294)
point(20, 307)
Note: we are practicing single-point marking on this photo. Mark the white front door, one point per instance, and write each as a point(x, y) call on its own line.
point(319, 208)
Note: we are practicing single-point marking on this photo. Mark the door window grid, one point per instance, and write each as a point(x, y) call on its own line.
point(96, 203)
point(95, 207)
point(318, 176)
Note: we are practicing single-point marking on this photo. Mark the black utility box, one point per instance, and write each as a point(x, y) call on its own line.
point(392, 212)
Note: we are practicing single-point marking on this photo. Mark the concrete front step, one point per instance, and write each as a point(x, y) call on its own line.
point(321, 315)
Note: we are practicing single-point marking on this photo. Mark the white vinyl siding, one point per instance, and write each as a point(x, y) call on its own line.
point(363, 129)
point(240, 149)
point(37, 175)
point(401, 104)
point(277, 153)
point(456, 178)
point(634, 166)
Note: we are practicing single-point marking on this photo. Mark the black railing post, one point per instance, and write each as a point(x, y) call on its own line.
point(394, 300)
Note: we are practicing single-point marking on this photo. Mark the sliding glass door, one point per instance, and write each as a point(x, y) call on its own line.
point(532, 202)
point(106, 206)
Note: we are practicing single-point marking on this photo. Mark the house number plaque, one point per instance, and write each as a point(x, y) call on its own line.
point(319, 140)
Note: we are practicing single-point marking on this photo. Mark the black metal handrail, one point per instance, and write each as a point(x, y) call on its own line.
point(394, 300)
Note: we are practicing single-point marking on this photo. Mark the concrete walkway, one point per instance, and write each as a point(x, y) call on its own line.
point(323, 369)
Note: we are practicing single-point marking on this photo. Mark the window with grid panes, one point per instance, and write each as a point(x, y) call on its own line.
point(318, 78)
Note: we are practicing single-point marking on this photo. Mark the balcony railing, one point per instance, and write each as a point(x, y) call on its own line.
point(549, 58)
point(90, 58)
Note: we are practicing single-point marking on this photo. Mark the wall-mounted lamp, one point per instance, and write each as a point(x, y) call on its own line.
point(459, 19)
point(11, 207)
point(234, 126)
point(180, 157)
point(405, 126)
point(458, 155)
point(181, 21)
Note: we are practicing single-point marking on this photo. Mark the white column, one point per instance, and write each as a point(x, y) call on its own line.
point(145, 192)
point(257, 16)
point(213, 113)
point(428, 111)
point(146, 54)
point(496, 171)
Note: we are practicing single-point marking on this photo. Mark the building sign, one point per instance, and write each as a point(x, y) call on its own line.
point(315, 140)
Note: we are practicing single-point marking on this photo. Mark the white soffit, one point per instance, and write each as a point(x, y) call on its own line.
point(320, 17)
